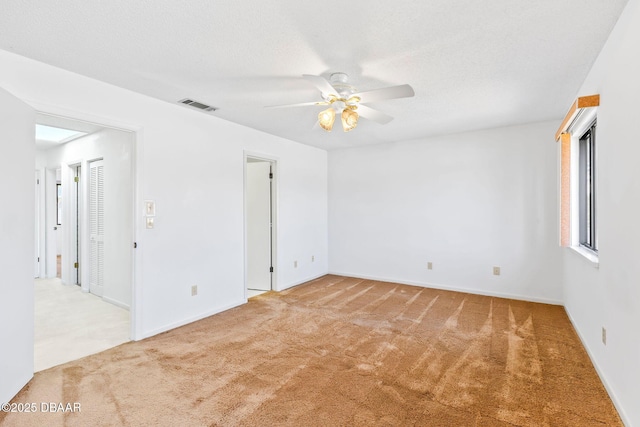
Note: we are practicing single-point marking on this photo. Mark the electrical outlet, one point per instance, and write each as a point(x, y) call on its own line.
point(313, 258)
point(496, 271)
point(429, 266)
point(604, 336)
point(194, 290)
point(295, 264)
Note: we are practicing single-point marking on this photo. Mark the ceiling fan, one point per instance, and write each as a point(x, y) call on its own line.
point(343, 99)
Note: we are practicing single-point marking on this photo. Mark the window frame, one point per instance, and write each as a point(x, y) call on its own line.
point(587, 188)
point(577, 128)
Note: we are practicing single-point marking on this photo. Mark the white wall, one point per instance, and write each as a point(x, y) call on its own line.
point(464, 202)
point(116, 149)
point(609, 296)
point(192, 165)
point(17, 219)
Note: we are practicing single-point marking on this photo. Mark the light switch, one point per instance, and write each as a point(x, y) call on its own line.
point(149, 222)
point(150, 208)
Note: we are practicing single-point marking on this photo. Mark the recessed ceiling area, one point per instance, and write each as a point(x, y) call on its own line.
point(53, 131)
point(473, 65)
point(56, 135)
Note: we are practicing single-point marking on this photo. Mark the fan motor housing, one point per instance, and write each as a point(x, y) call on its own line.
point(340, 82)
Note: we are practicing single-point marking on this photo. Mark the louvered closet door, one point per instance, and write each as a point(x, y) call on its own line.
point(96, 227)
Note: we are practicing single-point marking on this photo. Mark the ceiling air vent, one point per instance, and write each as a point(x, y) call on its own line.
point(198, 105)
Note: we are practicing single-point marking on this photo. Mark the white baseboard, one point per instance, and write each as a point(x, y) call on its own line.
point(291, 285)
point(188, 320)
point(603, 378)
point(452, 288)
point(116, 303)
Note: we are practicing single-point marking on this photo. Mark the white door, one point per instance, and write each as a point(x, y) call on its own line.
point(96, 227)
point(17, 160)
point(36, 258)
point(258, 217)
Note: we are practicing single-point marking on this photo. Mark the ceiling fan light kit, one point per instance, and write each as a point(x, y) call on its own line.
point(326, 118)
point(349, 119)
point(342, 98)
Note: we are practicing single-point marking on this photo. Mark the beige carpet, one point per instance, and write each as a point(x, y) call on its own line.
point(339, 352)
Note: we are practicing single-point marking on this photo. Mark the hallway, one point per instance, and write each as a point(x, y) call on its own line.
point(71, 324)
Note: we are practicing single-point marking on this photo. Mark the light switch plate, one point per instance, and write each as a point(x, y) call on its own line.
point(149, 208)
point(150, 222)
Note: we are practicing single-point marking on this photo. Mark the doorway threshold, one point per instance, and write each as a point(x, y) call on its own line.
point(255, 292)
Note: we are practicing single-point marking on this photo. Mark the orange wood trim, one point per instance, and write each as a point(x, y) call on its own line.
point(588, 101)
point(581, 102)
point(570, 115)
point(565, 190)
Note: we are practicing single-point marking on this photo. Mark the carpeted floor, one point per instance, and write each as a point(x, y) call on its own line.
point(339, 352)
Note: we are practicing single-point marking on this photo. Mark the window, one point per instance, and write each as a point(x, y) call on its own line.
point(577, 178)
point(587, 188)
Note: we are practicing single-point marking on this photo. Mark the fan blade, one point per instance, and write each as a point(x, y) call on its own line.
point(371, 114)
point(322, 84)
point(302, 104)
point(402, 91)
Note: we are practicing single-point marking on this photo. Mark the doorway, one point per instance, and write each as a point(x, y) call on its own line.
point(90, 222)
point(74, 196)
point(57, 240)
point(260, 224)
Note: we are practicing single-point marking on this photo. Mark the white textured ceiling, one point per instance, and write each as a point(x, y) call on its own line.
point(473, 64)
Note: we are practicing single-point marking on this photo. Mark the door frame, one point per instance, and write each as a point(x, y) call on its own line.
point(72, 230)
point(51, 231)
point(135, 310)
point(39, 210)
point(273, 160)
